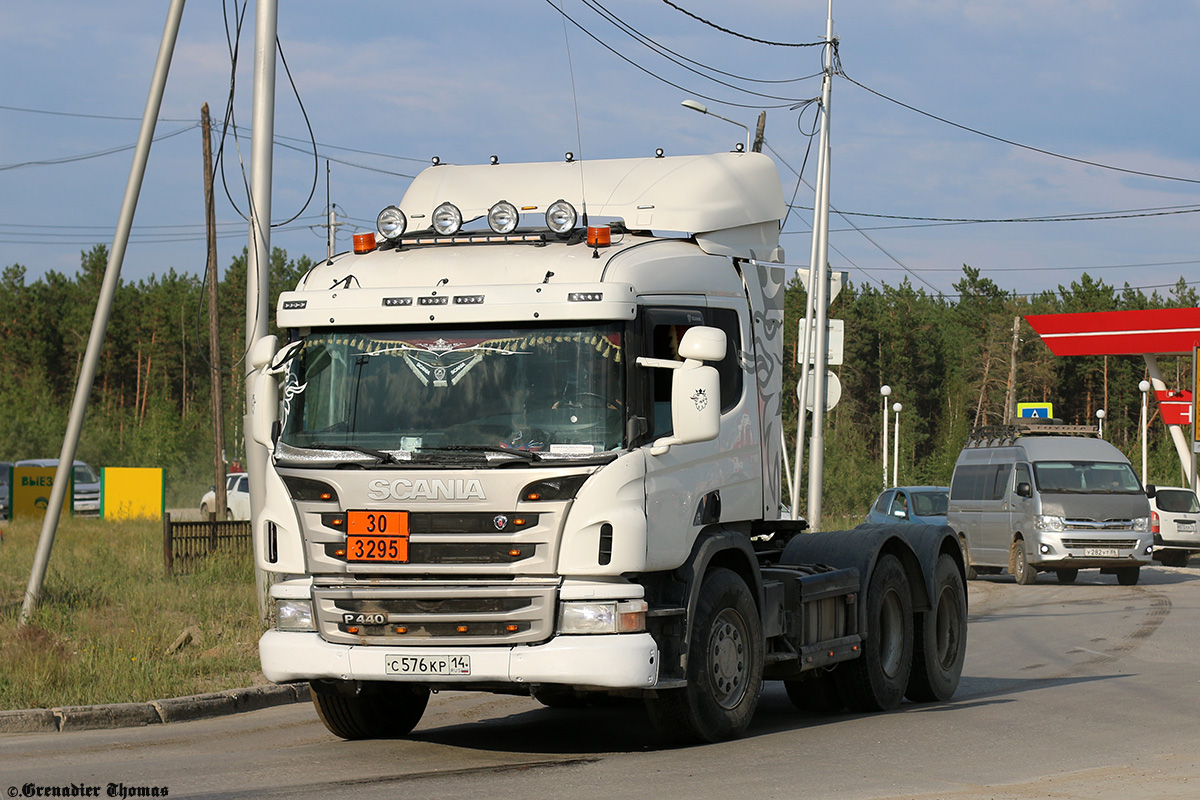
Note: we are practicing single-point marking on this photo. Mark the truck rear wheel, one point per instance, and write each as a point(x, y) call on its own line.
point(724, 666)
point(1025, 574)
point(374, 711)
point(940, 637)
point(877, 680)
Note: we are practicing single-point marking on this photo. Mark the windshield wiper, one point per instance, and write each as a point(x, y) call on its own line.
point(525, 455)
point(383, 456)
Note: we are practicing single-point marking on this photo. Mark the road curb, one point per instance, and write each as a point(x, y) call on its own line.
point(129, 715)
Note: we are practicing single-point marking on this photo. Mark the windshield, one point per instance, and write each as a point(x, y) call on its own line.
point(1086, 477)
point(551, 391)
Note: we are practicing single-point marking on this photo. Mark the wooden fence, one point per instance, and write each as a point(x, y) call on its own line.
point(186, 542)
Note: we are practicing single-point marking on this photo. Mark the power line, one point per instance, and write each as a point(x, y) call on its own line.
point(711, 24)
point(977, 132)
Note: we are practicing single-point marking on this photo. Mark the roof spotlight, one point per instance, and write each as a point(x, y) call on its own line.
point(391, 223)
point(447, 219)
point(503, 217)
point(561, 216)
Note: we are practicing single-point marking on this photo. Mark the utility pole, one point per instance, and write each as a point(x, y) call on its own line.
point(214, 330)
point(1010, 396)
point(819, 288)
point(758, 135)
point(108, 289)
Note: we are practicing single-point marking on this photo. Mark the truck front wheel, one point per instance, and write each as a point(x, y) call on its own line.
point(369, 710)
point(1022, 571)
point(877, 679)
point(940, 637)
point(724, 666)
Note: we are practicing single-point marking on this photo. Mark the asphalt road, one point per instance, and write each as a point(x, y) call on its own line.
point(1083, 691)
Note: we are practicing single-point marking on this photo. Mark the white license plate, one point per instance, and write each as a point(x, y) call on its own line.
point(1102, 552)
point(1186, 527)
point(427, 665)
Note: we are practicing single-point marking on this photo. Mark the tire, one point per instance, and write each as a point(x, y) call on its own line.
point(877, 679)
point(204, 511)
point(724, 667)
point(1024, 574)
point(377, 711)
point(228, 514)
point(816, 693)
point(1172, 558)
point(971, 573)
point(1067, 575)
point(1128, 576)
point(565, 698)
point(940, 637)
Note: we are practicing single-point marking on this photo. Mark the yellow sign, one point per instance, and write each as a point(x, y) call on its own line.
point(31, 491)
point(127, 492)
point(1035, 410)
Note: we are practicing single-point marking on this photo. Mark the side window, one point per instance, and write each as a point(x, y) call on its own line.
point(881, 505)
point(1022, 476)
point(666, 329)
point(900, 506)
point(968, 482)
point(729, 367)
point(1000, 484)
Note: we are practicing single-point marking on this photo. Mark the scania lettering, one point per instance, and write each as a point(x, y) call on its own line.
point(528, 439)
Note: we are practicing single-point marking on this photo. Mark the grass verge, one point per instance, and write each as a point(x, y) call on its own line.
point(109, 615)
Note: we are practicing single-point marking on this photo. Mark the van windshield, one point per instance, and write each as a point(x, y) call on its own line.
point(1086, 477)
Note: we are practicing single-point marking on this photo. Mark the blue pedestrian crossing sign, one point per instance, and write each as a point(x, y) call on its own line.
point(1035, 410)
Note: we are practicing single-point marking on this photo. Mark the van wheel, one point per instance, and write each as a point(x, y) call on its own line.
point(1025, 574)
point(1128, 576)
point(373, 711)
point(940, 637)
point(815, 692)
point(876, 680)
point(971, 573)
point(1067, 575)
point(724, 666)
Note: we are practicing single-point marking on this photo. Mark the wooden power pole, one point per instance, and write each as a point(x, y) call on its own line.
point(214, 330)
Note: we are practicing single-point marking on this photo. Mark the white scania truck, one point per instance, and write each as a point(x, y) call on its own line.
point(530, 442)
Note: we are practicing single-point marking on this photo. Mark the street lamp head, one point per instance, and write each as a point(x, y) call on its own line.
point(1144, 386)
point(897, 407)
point(695, 106)
point(1099, 413)
point(885, 390)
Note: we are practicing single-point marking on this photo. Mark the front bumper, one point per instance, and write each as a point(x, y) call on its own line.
point(1082, 550)
point(618, 661)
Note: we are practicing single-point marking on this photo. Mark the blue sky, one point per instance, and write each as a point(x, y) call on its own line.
point(388, 85)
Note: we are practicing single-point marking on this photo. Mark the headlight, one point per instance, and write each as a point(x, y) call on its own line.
point(561, 488)
point(1047, 523)
point(503, 217)
point(1142, 524)
point(561, 216)
point(391, 223)
point(625, 616)
point(447, 219)
point(294, 615)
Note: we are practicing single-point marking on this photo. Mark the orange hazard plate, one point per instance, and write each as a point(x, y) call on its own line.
point(377, 536)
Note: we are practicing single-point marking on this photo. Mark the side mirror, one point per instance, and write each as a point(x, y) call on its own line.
point(695, 388)
point(1024, 489)
point(1151, 490)
point(900, 513)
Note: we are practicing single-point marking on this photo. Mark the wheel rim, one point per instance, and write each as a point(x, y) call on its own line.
point(1020, 566)
point(727, 644)
point(891, 634)
point(946, 629)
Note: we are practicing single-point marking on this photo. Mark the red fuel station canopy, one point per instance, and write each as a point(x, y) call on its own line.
point(1161, 331)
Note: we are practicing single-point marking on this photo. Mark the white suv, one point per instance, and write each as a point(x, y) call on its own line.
point(1175, 523)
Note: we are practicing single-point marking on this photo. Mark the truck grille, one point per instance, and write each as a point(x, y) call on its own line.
point(435, 615)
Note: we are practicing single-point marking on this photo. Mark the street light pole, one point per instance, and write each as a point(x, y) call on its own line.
point(1144, 387)
point(885, 390)
point(896, 447)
